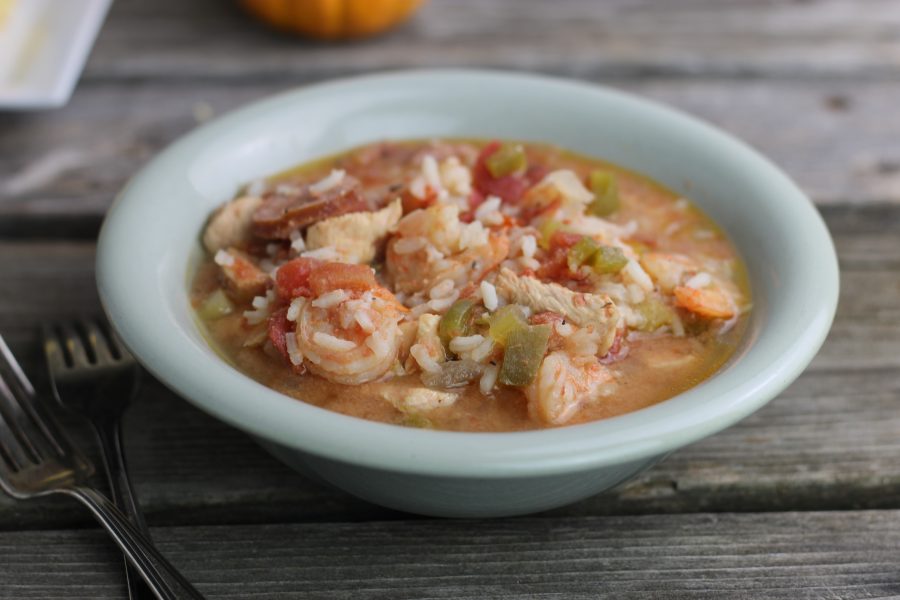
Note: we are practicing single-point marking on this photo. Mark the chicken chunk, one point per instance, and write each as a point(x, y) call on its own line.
point(419, 399)
point(357, 237)
point(583, 310)
point(240, 275)
point(230, 224)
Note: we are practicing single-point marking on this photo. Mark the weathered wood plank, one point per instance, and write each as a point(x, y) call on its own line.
point(59, 171)
point(168, 39)
point(845, 555)
point(830, 441)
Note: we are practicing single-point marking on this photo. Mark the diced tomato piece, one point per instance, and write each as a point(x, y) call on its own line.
point(564, 239)
point(555, 266)
point(292, 278)
point(279, 326)
point(535, 173)
point(508, 188)
point(340, 276)
point(411, 202)
point(476, 198)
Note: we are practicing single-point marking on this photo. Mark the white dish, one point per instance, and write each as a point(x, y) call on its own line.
point(150, 242)
point(43, 48)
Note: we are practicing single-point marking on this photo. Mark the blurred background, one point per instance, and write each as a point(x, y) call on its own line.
point(812, 83)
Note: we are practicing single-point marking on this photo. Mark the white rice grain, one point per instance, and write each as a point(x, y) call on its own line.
point(489, 295)
point(488, 208)
point(488, 379)
point(297, 243)
point(529, 246)
point(327, 253)
point(330, 342)
point(409, 245)
point(440, 304)
point(441, 290)
point(433, 254)
point(293, 310)
point(259, 302)
point(419, 310)
point(290, 342)
point(330, 299)
point(333, 180)
point(431, 173)
point(635, 273)
point(473, 235)
point(636, 293)
point(564, 329)
point(378, 344)
point(465, 343)
point(483, 350)
point(699, 281)
point(364, 321)
point(529, 263)
point(420, 354)
point(223, 258)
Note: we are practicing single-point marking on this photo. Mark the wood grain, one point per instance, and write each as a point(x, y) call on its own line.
point(60, 171)
point(791, 556)
point(211, 39)
point(829, 441)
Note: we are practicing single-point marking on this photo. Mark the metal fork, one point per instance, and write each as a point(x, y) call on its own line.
point(37, 459)
point(94, 375)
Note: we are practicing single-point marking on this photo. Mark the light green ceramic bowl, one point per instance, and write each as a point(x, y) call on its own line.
point(149, 243)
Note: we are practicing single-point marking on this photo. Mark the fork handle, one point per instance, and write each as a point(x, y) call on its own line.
point(162, 578)
point(109, 432)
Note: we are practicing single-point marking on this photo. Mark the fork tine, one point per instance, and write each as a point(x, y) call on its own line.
point(53, 350)
point(118, 345)
point(13, 365)
point(97, 340)
point(12, 450)
point(73, 345)
point(17, 401)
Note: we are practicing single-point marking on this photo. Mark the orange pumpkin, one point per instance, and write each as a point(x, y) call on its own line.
point(332, 19)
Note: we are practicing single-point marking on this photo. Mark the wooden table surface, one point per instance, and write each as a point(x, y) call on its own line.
point(800, 500)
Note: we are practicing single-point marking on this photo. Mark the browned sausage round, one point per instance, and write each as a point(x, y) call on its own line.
point(284, 212)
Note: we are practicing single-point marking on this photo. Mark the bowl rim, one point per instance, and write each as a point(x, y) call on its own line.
point(222, 390)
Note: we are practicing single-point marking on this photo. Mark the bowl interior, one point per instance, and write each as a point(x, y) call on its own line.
point(150, 239)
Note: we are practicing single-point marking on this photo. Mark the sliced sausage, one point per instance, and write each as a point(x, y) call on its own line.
point(282, 212)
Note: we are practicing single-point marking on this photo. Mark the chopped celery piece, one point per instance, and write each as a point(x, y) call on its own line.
point(581, 253)
point(656, 313)
point(416, 420)
point(509, 159)
point(547, 229)
point(456, 321)
point(606, 193)
point(506, 320)
point(608, 259)
point(525, 349)
point(216, 306)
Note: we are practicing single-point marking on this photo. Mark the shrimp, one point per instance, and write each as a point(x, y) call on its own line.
point(349, 336)
point(432, 245)
point(668, 270)
point(564, 384)
point(694, 290)
point(712, 302)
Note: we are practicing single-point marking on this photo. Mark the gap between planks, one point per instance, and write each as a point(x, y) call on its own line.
point(845, 555)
